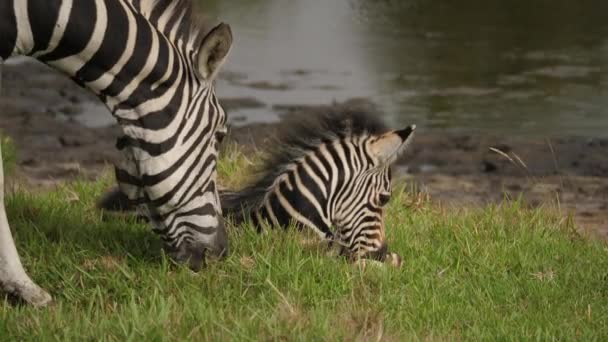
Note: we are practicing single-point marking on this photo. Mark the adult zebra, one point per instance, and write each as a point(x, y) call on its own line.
point(154, 69)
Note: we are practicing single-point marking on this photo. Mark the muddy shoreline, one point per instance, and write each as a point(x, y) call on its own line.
point(40, 111)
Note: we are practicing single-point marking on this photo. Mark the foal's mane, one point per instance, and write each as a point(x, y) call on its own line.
point(299, 136)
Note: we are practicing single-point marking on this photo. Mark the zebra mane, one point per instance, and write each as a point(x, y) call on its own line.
point(300, 135)
point(181, 14)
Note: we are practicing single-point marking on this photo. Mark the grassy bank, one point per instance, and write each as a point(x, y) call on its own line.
point(502, 271)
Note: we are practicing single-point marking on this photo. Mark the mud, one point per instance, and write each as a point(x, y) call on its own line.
point(42, 112)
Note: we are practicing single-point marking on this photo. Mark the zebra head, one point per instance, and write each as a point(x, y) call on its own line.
point(170, 171)
point(331, 174)
point(357, 206)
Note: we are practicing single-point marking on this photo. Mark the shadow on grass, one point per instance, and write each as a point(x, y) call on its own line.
point(66, 222)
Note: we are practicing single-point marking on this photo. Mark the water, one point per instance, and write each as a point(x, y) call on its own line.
point(535, 67)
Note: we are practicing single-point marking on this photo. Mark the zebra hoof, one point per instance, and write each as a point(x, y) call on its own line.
point(37, 297)
point(29, 293)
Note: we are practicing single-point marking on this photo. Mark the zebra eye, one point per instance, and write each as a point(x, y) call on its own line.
point(220, 134)
point(384, 198)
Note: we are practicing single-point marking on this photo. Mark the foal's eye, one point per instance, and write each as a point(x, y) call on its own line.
point(384, 198)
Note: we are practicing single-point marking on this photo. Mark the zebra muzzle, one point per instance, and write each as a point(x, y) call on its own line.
point(194, 255)
point(220, 247)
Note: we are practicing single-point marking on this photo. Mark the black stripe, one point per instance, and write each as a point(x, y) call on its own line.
point(77, 33)
point(187, 195)
point(137, 61)
point(315, 168)
point(199, 117)
point(172, 22)
point(368, 158)
point(159, 8)
point(326, 163)
point(171, 193)
point(149, 180)
point(347, 154)
point(363, 243)
point(43, 15)
point(8, 27)
point(112, 46)
point(136, 5)
point(143, 92)
point(338, 174)
point(310, 184)
point(360, 192)
point(200, 229)
point(162, 118)
point(335, 159)
point(217, 106)
point(301, 204)
point(156, 149)
point(283, 218)
point(207, 209)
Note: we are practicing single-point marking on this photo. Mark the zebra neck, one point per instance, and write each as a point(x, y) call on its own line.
point(285, 205)
point(104, 45)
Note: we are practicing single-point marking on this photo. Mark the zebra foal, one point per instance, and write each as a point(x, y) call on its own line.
point(331, 174)
point(154, 69)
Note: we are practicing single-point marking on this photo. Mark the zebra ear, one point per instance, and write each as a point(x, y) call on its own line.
point(214, 50)
point(389, 145)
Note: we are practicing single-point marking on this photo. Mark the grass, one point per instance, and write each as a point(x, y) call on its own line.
point(505, 272)
point(9, 154)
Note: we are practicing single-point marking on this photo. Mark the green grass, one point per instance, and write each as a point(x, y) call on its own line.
point(499, 272)
point(9, 154)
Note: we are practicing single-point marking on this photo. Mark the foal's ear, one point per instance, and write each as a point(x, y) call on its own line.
point(214, 50)
point(388, 146)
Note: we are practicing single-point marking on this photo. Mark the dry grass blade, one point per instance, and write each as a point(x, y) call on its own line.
point(519, 163)
point(289, 306)
point(555, 164)
point(495, 150)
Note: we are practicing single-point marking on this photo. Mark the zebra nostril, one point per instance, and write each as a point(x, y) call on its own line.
point(185, 254)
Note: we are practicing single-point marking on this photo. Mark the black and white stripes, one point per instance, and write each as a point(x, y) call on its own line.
point(154, 70)
point(331, 175)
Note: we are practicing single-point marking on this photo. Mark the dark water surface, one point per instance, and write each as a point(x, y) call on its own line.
point(531, 68)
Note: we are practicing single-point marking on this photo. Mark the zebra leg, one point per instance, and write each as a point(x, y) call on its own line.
point(13, 278)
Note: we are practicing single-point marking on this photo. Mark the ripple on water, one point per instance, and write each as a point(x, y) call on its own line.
point(564, 71)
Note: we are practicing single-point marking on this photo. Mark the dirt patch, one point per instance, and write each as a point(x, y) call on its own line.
point(40, 111)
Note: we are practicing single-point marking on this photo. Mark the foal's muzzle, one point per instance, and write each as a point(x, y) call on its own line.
point(379, 254)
